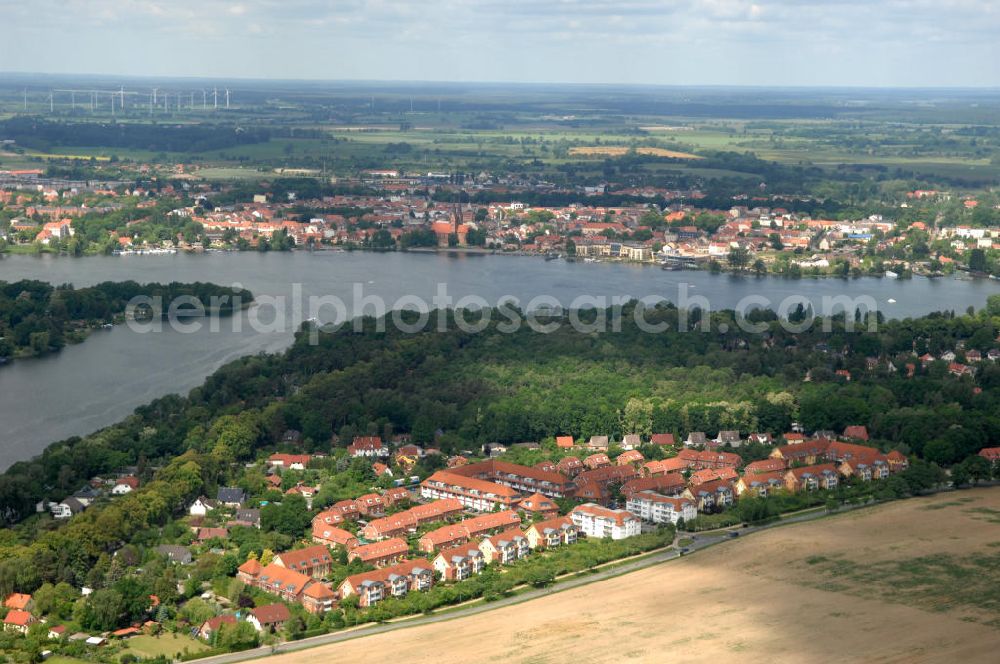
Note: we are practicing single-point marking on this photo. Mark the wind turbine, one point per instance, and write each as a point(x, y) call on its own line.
point(215, 98)
point(227, 98)
point(154, 94)
point(204, 97)
point(123, 97)
point(151, 95)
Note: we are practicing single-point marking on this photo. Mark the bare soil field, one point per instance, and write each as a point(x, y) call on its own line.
point(911, 581)
point(618, 151)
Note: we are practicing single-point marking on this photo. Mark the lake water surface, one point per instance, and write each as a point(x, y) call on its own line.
point(88, 386)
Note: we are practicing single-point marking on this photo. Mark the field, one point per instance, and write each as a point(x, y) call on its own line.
point(618, 151)
point(913, 581)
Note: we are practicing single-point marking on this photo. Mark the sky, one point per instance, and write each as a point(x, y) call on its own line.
point(878, 43)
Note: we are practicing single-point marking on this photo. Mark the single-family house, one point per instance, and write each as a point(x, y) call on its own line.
point(269, 618)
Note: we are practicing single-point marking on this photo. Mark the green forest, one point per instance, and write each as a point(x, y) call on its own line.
point(38, 318)
point(455, 390)
point(459, 389)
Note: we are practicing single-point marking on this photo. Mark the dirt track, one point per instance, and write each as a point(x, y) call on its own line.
point(774, 596)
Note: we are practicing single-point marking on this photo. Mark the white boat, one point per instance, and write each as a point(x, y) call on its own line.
point(891, 301)
point(892, 275)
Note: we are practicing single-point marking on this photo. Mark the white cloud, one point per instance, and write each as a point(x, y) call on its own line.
point(710, 41)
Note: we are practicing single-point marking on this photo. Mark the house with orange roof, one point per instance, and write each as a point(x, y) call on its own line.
point(598, 460)
point(20, 601)
point(760, 484)
point(546, 466)
point(807, 452)
point(314, 561)
point(505, 548)
point(856, 432)
point(668, 484)
point(538, 505)
point(708, 459)
point(395, 495)
point(370, 504)
point(523, 479)
point(459, 563)
point(269, 617)
point(631, 457)
point(289, 461)
point(812, 478)
point(712, 496)
point(368, 446)
point(18, 620)
point(210, 627)
point(991, 454)
point(459, 533)
point(318, 598)
point(570, 466)
point(249, 571)
point(564, 442)
point(382, 553)
point(710, 474)
point(393, 581)
point(332, 536)
point(664, 467)
point(409, 520)
point(764, 466)
point(471, 492)
point(551, 533)
point(662, 439)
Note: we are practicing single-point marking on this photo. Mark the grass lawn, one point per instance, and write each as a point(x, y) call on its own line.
point(164, 644)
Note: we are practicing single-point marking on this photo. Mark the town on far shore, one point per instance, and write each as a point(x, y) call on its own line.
point(926, 232)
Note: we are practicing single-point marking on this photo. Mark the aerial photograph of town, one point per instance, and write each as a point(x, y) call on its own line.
point(472, 331)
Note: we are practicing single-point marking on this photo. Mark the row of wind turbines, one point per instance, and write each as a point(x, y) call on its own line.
point(158, 99)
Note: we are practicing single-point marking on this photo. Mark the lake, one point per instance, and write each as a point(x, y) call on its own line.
point(91, 385)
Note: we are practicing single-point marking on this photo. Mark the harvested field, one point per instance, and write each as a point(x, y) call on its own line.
point(911, 581)
point(620, 150)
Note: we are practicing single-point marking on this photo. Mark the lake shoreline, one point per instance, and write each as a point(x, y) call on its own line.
point(701, 266)
point(113, 373)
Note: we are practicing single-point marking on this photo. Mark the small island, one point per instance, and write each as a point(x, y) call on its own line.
point(37, 318)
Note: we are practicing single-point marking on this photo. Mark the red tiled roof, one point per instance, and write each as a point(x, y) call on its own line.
point(272, 614)
point(19, 618)
point(393, 546)
point(307, 557)
point(275, 578)
point(619, 516)
point(668, 483)
point(764, 466)
point(662, 439)
point(17, 601)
